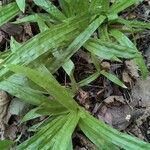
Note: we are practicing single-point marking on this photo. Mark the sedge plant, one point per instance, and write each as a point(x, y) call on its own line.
point(27, 69)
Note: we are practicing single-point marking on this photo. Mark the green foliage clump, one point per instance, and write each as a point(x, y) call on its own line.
point(62, 33)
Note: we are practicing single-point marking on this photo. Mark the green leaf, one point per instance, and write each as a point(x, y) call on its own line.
point(5, 144)
point(110, 51)
point(74, 7)
point(101, 4)
point(66, 131)
point(76, 44)
point(50, 136)
point(93, 127)
point(32, 114)
point(50, 8)
point(44, 135)
point(67, 66)
point(48, 82)
point(125, 41)
point(54, 109)
point(134, 23)
point(100, 141)
point(34, 18)
point(103, 33)
point(24, 92)
point(21, 4)
point(58, 36)
point(113, 78)
point(14, 45)
point(70, 146)
point(89, 79)
point(42, 25)
point(8, 12)
point(66, 7)
point(121, 5)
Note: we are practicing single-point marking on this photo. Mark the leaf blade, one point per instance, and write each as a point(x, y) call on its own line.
point(8, 12)
point(21, 4)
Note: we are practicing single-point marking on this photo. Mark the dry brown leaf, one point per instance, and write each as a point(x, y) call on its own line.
point(28, 30)
point(114, 99)
point(141, 93)
point(105, 65)
point(4, 102)
point(12, 29)
point(85, 56)
point(132, 68)
point(83, 98)
point(2, 38)
point(126, 79)
point(115, 112)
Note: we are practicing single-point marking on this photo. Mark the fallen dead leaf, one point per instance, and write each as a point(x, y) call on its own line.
point(132, 68)
point(114, 99)
point(88, 145)
point(127, 79)
point(140, 93)
point(85, 56)
point(2, 38)
point(83, 98)
point(105, 65)
point(4, 102)
point(12, 29)
point(115, 112)
point(28, 30)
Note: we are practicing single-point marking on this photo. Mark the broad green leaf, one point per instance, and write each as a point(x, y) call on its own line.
point(74, 7)
point(36, 127)
point(32, 114)
point(103, 33)
point(76, 44)
point(113, 78)
point(54, 109)
point(70, 146)
point(101, 4)
point(89, 79)
point(42, 25)
point(67, 66)
point(53, 38)
point(49, 83)
point(5, 144)
point(99, 140)
point(125, 41)
point(93, 127)
point(8, 12)
point(121, 5)
point(44, 135)
point(50, 135)
point(108, 50)
point(50, 8)
point(134, 24)
point(21, 4)
point(4, 54)
point(66, 131)
point(64, 4)
point(34, 18)
point(25, 93)
point(96, 62)
point(14, 45)
point(112, 17)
